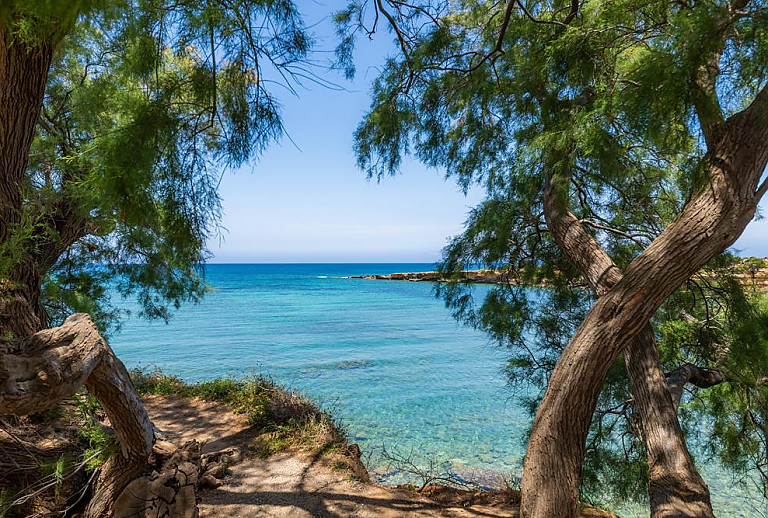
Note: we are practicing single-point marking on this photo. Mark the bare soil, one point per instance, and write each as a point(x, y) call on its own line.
point(301, 484)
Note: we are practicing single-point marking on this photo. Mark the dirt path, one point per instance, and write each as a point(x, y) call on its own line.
point(290, 484)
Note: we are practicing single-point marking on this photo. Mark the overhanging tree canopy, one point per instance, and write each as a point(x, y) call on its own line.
point(116, 122)
point(141, 105)
point(625, 141)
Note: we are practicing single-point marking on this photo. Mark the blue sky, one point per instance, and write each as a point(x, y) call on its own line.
point(308, 202)
point(305, 200)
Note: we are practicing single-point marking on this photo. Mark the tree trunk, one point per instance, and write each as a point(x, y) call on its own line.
point(23, 76)
point(711, 221)
point(675, 487)
point(21, 308)
point(51, 365)
point(111, 385)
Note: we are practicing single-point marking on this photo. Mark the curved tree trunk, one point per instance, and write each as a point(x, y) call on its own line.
point(711, 221)
point(51, 365)
point(112, 387)
point(675, 487)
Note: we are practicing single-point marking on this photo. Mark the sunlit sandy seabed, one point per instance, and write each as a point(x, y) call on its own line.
point(385, 356)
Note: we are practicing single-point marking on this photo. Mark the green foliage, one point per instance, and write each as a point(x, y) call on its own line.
point(246, 396)
point(749, 262)
point(6, 497)
point(35, 21)
point(147, 104)
point(731, 336)
point(56, 470)
point(607, 103)
point(102, 443)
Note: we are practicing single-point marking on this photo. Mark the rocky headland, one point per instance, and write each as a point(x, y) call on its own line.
point(484, 276)
point(750, 271)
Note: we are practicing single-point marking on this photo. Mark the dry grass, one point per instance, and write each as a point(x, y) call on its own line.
point(46, 459)
point(284, 418)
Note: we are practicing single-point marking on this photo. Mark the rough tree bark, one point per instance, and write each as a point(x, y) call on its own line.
point(51, 365)
point(711, 220)
point(23, 76)
point(38, 367)
point(675, 487)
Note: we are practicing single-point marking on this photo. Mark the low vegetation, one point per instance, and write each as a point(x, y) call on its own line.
point(285, 418)
point(49, 457)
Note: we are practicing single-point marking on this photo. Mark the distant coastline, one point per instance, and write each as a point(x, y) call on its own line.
point(483, 276)
point(749, 271)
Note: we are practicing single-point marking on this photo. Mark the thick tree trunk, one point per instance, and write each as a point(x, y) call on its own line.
point(17, 318)
point(21, 309)
point(711, 221)
point(23, 76)
point(675, 487)
point(51, 365)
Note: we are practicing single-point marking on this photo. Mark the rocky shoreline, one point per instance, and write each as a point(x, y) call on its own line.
point(485, 276)
point(748, 275)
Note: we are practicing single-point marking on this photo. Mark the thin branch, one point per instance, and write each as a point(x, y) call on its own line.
point(544, 22)
point(595, 225)
point(215, 77)
point(761, 190)
point(395, 27)
point(573, 12)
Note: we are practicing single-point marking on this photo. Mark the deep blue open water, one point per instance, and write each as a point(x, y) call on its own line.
point(385, 356)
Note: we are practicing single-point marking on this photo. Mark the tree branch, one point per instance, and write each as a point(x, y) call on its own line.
point(689, 373)
point(532, 18)
point(598, 226)
point(572, 13)
point(403, 45)
point(581, 248)
point(762, 190)
point(707, 103)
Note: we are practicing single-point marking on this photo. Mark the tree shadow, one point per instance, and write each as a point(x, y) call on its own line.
point(313, 488)
point(329, 504)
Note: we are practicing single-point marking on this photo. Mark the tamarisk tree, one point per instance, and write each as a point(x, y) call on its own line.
point(621, 142)
point(116, 121)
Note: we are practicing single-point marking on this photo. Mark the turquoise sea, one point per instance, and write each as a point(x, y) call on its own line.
point(385, 357)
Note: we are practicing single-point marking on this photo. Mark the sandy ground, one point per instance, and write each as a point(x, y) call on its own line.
point(290, 484)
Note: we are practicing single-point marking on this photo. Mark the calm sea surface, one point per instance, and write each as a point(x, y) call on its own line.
point(384, 356)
